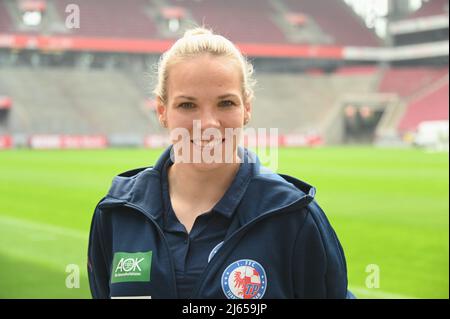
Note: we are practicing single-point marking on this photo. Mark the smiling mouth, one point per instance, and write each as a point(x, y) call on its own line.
point(209, 144)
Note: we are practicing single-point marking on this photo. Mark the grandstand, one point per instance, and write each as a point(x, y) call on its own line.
point(130, 17)
point(430, 9)
point(312, 103)
point(337, 20)
point(257, 14)
point(428, 24)
point(431, 105)
point(320, 70)
point(5, 19)
point(88, 102)
point(398, 80)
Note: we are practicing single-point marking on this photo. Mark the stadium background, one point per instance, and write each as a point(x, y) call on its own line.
point(357, 89)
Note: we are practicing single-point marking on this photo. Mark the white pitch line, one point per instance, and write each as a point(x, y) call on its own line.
point(35, 242)
point(42, 227)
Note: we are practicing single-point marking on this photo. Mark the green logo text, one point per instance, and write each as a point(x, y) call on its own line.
point(131, 266)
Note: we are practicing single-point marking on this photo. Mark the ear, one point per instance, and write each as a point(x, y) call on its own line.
point(161, 110)
point(247, 111)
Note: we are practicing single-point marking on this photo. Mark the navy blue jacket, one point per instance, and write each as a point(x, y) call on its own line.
point(279, 244)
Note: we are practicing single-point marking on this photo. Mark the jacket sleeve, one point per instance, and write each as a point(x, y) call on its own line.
point(319, 267)
point(98, 271)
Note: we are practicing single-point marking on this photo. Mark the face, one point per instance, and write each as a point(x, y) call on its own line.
point(204, 99)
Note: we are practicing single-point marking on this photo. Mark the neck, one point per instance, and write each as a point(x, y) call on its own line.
point(190, 184)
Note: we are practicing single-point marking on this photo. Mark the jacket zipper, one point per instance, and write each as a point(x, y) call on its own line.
point(172, 267)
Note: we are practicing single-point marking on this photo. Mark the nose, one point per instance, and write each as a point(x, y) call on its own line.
point(209, 118)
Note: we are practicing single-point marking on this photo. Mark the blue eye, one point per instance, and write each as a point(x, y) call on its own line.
point(226, 103)
point(186, 105)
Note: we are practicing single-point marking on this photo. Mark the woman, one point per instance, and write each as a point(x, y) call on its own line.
point(208, 221)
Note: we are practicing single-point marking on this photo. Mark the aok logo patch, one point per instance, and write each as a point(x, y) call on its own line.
point(131, 266)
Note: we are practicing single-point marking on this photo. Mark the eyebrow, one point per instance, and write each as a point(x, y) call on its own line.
point(190, 98)
point(185, 97)
point(228, 95)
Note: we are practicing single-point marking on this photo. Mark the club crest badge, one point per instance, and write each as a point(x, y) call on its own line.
point(244, 279)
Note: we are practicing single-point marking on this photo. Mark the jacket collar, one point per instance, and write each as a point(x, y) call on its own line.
point(141, 189)
point(227, 205)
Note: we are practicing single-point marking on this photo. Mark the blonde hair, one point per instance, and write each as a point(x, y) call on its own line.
point(199, 41)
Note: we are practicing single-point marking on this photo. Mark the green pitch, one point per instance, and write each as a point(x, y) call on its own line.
point(389, 208)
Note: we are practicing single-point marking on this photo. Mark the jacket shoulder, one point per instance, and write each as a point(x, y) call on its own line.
point(134, 172)
point(128, 182)
point(301, 185)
